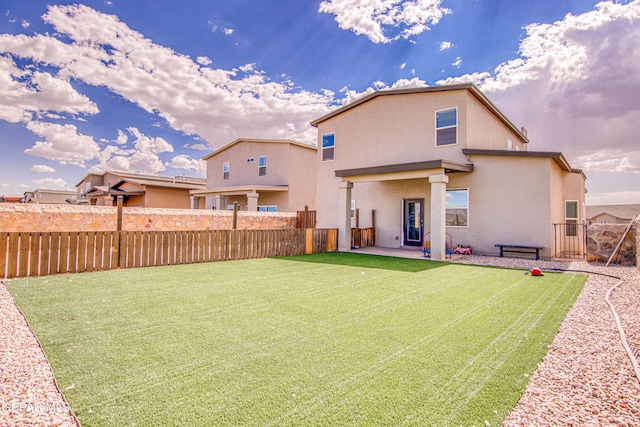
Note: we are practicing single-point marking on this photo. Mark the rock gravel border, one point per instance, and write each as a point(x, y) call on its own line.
point(29, 395)
point(586, 378)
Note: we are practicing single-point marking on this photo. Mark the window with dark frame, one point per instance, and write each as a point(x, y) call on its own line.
point(262, 166)
point(226, 168)
point(328, 147)
point(457, 208)
point(447, 127)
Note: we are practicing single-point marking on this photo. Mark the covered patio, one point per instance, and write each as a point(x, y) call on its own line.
point(251, 193)
point(436, 171)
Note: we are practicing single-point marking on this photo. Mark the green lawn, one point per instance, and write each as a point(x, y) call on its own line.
point(327, 339)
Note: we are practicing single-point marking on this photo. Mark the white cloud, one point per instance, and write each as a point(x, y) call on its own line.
point(204, 60)
point(404, 64)
point(445, 45)
point(575, 86)
point(27, 91)
point(219, 105)
point(122, 138)
point(184, 162)
point(202, 147)
point(372, 18)
point(221, 28)
point(51, 183)
point(25, 23)
point(143, 157)
point(457, 63)
point(62, 143)
point(42, 169)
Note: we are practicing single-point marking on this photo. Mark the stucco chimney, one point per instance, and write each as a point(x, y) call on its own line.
point(523, 130)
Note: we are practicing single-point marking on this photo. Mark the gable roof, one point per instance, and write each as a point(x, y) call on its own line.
point(155, 178)
point(472, 88)
point(618, 211)
point(261, 141)
point(168, 183)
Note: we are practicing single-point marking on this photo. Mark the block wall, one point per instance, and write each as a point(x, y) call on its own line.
point(27, 217)
point(602, 240)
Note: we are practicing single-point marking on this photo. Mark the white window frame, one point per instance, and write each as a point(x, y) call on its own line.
point(266, 208)
point(226, 171)
point(262, 169)
point(353, 208)
point(571, 227)
point(323, 149)
point(455, 126)
point(456, 207)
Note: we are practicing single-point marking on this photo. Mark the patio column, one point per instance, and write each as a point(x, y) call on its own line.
point(438, 216)
point(252, 202)
point(218, 202)
point(195, 202)
point(344, 216)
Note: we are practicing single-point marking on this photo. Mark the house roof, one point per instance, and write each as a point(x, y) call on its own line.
point(557, 157)
point(103, 190)
point(154, 178)
point(175, 183)
point(11, 199)
point(472, 88)
point(263, 141)
point(406, 167)
point(619, 211)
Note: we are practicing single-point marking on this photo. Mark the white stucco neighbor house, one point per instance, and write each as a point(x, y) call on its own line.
point(269, 175)
point(442, 163)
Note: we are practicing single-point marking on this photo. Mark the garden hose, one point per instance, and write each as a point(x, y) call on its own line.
point(633, 354)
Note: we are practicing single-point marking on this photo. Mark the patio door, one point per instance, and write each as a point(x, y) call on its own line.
point(413, 222)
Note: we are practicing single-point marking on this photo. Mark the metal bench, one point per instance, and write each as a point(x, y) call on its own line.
point(522, 249)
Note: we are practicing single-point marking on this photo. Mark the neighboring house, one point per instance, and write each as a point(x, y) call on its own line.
point(137, 190)
point(612, 214)
point(57, 197)
point(270, 175)
point(11, 199)
point(441, 160)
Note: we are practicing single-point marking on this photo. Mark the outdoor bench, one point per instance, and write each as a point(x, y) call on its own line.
point(522, 249)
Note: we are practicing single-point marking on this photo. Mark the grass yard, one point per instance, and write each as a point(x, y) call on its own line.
point(326, 339)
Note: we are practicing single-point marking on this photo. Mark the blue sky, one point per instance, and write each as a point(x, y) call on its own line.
point(151, 86)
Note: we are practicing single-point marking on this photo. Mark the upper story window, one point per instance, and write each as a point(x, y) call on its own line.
point(262, 166)
point(457, 208)
point(328, 147)
point(226, 168)
point(447, 127)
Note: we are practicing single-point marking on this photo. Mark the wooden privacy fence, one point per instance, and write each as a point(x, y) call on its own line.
point(363, 237)
point(24, 254)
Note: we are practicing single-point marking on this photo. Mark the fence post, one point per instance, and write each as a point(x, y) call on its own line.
point(308, 249)
point(306, 216)
point(118, 245)
point(235, 216)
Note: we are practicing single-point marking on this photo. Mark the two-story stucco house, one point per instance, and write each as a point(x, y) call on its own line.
point(269, 175)
point(441, 161)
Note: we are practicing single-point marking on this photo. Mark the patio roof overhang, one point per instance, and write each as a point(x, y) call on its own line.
point(402, 171)
point(112, 192)
point(241, 190)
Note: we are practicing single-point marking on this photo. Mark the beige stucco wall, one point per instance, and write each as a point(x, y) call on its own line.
point(401, 129)
point(288, 164)
point(21, 217)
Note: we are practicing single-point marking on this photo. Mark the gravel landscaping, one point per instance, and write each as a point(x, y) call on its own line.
point(586, 379)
